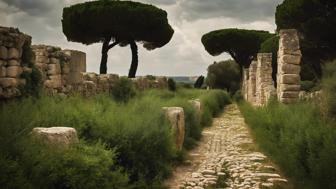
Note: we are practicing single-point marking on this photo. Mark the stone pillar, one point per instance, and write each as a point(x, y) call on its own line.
point(245, 83)
point(264, 81)
point(252, 82)
point(289, 60)
point(77, 65)
point(175, 115)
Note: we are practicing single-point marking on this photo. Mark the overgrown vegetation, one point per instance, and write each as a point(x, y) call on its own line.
point(224, 75)
point(123, 145)
point(123, 90)
point(171, 84)
point(298, 138)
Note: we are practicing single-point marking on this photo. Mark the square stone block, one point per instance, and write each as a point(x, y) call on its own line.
point(8, 82)
point(13, 71)
point(290, 79)
point(3, 53)
point(13, 53)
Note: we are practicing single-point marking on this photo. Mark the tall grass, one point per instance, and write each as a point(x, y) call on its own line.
point(298, 139)
point(123, 145)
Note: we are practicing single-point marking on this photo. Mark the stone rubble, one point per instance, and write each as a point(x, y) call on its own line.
point(228, 156)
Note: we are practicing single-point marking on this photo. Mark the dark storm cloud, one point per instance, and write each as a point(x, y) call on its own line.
point(35, 7)
point(242, 10)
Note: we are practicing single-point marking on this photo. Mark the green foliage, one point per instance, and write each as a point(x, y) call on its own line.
point(33, 82)
point(199, 82)
point(137, 139)
point(238, 97)
point(151, 77)
point(224, 75)
point(122, 20)
point(123, 90)
point(242, 45)
point(307, 85)
point(27, 54)
point(315, 20)
point(171, 84)
point(298, 140)
point(329, 89)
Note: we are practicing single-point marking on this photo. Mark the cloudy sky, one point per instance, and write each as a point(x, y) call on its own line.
point(183, 56)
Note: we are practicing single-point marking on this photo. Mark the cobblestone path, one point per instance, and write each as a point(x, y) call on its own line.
point(227, 158)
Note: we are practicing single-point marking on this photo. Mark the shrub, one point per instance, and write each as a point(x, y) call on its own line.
point(123, 90)
point(33, 82)
point(299, 141)
point(329, 90)
point(199, 82)
point(224, 75)
point(171, 84)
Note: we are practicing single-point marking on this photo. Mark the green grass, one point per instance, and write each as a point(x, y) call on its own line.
point(298, 139)
point(123, 145)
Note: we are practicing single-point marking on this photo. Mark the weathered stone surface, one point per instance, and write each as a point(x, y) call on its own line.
point(175, 116)
point(13, 71)
point(56, 135)
point(42, 59)
point(3, 63)
point(54, 82)
point(290, 79)
point(285, 87)
point(264, 81)
point(54, 61)
point(196, 103)
point(290, 69)
point(289, 94)
point(13, 53)
point(8, 82)
point(289, 39)
point(54, 69)
point(13, 62)
point(2, 71)
point(290, 59)
point(3, 53)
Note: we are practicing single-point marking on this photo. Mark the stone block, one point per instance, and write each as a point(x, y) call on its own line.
point(3, 53)
point(42, 59)
point(54, 82)
point(14, 71)
point(63, 136)
point(3, 63)
point(54, 69)
point(285, 87)
point(289, 39)
point(290, 59)
point(289, 94)
point(3, 71)
point(175, 115)
point(290, 69)
point(13, 62)
point(66, 69)
point(196, 103)
point(290, 79)
point(8, 82)
point(54, 61)
point(13, 53)
point(77, 60)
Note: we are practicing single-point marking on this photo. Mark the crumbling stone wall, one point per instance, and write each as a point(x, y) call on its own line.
point(289, 60)
point(260, 85)
point(14, 60)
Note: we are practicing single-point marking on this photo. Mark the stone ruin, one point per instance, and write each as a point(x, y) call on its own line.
point(14, 60)
point(175, 116)
point(258, 85)
point(63, 71)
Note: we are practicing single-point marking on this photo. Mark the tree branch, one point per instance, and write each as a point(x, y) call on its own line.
point(113, 44)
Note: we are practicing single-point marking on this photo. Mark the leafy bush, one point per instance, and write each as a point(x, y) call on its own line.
point(33, 82)
point(123, 90)
point(171, 84)
point(224, 75)
point(307, 85)
point(299, 141)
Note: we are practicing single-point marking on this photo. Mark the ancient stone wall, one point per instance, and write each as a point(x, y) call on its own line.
point(289, 60)
point(15, 59)
point(259, 87)
point(62, 71)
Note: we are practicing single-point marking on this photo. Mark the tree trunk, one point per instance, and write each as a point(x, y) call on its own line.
point(134, 64)
point(103, 62)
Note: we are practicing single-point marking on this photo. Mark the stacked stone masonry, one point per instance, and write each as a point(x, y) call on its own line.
point(14, 60)
point(289, 60)
point(258, 85)
point(63, 71)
